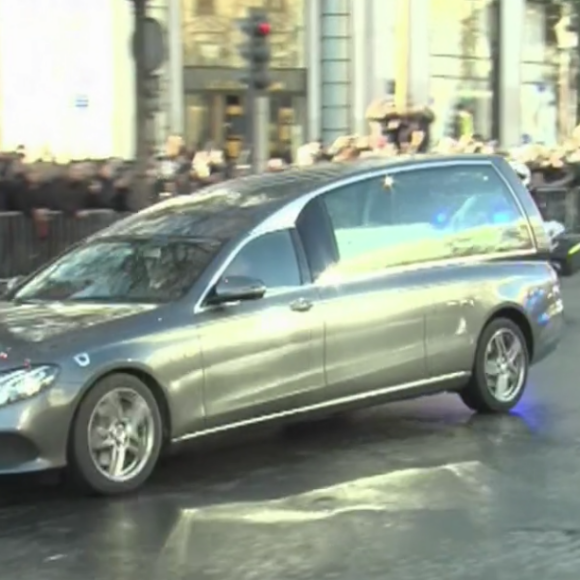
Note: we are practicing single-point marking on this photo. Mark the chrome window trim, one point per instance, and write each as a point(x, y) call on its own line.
point(285, 219)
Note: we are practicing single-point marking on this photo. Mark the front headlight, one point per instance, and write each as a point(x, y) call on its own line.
point(24, 383)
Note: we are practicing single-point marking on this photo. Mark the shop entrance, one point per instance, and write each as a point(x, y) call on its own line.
point(221, 118)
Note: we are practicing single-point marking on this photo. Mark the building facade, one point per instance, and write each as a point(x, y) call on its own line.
point(214, 100)
point(67, 78)
point(67, 71)
point(498, 58)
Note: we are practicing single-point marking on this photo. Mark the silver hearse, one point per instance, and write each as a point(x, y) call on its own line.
point(271, 298)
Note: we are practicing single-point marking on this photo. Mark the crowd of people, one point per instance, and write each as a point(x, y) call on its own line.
point(42, 184)
point(30, 185)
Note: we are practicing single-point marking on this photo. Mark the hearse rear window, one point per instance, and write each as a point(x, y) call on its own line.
point(426, 214)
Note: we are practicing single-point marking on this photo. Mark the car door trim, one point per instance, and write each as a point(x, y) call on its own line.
point(297, 411)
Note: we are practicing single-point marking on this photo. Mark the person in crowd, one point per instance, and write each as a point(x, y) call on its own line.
point(462, 121)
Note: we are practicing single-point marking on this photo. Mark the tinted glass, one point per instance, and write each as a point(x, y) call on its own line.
point(427, 214)
point(122, 271)
point(270, 258)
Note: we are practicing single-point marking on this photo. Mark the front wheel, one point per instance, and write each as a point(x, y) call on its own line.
point(116, 436)
point(500, 369)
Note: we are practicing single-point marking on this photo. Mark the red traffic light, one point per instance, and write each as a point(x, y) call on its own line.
point(264, 28)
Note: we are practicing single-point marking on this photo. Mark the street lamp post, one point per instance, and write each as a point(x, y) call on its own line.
point(149, 53)
point(140, 197)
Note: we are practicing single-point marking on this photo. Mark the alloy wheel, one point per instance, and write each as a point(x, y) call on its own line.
point(121, 434)
point(505, 365)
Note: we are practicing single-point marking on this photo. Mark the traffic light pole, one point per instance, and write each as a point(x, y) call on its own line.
point(250, 115)
point(260, 121)
point(256, 52)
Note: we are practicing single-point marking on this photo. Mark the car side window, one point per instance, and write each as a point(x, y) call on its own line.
point(425, 214)
point(360, 204)
point(362, 217)
point(270, 258)
point(462, 210)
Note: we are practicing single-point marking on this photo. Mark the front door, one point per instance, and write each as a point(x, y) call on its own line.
point(263, 357)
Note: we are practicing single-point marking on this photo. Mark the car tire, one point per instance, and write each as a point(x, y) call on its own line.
point(87, 468)
point(478, 394)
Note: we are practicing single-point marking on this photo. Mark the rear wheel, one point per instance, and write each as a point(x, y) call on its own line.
point(116, 436)
point(500, 370)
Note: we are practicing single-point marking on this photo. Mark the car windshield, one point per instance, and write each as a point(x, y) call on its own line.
point(122, 270)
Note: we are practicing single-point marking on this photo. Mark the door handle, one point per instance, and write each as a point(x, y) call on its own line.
point(301, 305)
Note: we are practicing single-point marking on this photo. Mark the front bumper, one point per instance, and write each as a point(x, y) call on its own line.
point(34, 433)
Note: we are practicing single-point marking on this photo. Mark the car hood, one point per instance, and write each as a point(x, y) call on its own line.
point(42, 325)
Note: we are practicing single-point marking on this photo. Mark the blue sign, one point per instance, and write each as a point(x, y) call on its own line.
point(81, 102)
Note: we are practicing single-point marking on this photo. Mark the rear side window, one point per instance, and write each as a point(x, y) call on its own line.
point(426, 214)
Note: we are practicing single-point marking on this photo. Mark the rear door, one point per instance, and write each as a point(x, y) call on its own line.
point(374, 318)
point(476, 218)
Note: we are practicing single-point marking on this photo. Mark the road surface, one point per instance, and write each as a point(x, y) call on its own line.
point(419, 490)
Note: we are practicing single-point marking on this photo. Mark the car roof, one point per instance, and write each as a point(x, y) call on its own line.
point(294, 182)
point(228, 209)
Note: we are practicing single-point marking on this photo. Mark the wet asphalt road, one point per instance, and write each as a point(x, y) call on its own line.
point(419, 490)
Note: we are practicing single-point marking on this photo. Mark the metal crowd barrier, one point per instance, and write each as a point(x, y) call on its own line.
point(561, 204)
point(25, 244)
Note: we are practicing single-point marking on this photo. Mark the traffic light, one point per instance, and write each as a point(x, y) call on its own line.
point(256, 50)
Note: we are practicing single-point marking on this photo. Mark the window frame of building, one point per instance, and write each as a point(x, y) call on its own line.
point(471, 77)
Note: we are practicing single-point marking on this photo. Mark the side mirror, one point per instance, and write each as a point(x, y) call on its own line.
point(236, 288)
point(7, 286)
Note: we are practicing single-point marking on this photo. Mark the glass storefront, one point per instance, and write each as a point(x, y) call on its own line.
point(461, 64)
point(215, 99)
point(540, 82)
point(211, 37)
point(219, 117)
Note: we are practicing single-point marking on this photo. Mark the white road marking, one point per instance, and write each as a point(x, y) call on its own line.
point(276, 544)
point(399, 490)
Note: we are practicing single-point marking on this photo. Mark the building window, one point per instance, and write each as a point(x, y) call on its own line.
point(546, 75)
point(461, 64)
point(276, 5)
point(205, 8)
point(211, 36)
